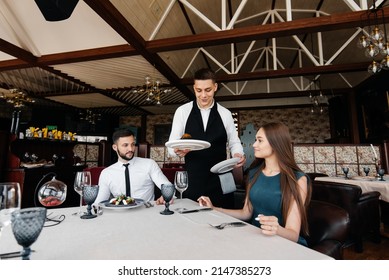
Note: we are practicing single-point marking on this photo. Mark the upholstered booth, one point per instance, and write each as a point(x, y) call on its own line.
point(363, 209)
point(328, 227)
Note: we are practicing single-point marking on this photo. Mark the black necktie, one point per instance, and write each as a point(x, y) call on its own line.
point(128, 185)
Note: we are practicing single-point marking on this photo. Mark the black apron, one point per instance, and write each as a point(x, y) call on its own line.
point(201, 180)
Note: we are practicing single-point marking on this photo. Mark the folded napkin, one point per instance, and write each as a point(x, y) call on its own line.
point(227, 182)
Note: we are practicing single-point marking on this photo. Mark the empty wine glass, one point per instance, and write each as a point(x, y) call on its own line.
point(366, 170)
point(83, 178)
point(381, 172)
point(27, 225)
point(89, 194)
point(345, 171)
point(10, 201)
point(181, 182)
point(167, 191)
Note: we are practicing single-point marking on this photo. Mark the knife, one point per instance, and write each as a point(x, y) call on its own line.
point(195, 210)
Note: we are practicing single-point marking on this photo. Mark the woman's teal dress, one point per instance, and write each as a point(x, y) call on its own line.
point(265, 197)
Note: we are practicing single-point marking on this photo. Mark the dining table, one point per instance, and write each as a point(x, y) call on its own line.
point(142, 233)
point(366, 183)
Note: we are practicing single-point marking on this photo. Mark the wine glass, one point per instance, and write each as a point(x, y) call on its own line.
point(181, 182)
point(83, 178)
point(345, 171)
point(27, 224)
point(167, 191)
point(366, 170)
point(10, 201)
point(381, 172)
point(89, 193)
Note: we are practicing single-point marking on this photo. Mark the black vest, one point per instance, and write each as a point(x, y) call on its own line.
point(198, 163)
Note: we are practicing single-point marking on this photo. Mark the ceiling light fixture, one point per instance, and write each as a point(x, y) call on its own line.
point(90, 116)
point(153, 90)
point(316, 97)
point(374, 41)
point(16, 97)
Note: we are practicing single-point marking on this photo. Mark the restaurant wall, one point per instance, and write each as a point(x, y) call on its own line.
point(305, 127)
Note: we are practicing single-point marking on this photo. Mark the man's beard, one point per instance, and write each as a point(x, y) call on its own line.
point(124, 157)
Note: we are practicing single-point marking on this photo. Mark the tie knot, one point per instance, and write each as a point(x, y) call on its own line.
point(126, 165)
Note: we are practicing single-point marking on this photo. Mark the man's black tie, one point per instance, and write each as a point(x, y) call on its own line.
point(128, 185)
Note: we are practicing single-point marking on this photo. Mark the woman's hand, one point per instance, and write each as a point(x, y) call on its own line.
point(205, 201)
point(269, 224)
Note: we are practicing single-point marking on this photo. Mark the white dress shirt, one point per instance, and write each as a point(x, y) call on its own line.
point(144, 173)
point(182, 114)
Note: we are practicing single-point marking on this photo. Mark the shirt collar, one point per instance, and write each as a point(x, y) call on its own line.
point(205, 109)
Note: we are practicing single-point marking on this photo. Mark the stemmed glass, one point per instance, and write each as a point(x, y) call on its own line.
point(381, 172)
point(366, 170)
point(181, 182)
point(345, 171)
point(89, 193)
point(83, 178)
point(27, 224)
point(167, 191)
point(10, 201)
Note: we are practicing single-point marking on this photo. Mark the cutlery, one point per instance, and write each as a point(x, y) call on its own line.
point(194, 210)
point(12, 255)
point(148, 204)
point(232, 224)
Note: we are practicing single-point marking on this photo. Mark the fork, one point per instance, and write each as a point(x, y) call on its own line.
point(148, 204)
point(233, 224)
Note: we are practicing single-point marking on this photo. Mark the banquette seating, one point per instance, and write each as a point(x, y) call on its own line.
point(363, 209)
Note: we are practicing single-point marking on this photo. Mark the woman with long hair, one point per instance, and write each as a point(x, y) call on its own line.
point(277, 192)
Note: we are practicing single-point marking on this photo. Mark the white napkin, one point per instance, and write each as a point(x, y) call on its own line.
point(227, 182)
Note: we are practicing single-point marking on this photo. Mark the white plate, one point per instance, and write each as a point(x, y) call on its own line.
point(106, 205)
point(190, 144)
point(225, 165)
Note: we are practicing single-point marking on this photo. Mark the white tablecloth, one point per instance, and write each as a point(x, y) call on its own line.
point(366, 185)
point(144, 234)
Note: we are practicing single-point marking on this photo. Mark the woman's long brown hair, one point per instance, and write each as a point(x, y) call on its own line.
point(279, 139)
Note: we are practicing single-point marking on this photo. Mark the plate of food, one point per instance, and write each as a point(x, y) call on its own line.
point(121, 202)
point(187, 143)
point(225, 165)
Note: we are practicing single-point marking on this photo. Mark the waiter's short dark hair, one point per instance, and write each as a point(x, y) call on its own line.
point(205, 74)
point(121, 133)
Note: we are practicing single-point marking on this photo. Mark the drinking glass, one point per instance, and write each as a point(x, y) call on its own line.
point(89, 194)
point(181, 182)
point(27, 225)
point(83, 178)
point(366, 170)
point(167, 191)
point(345, 171)
point(381, 173)
point(10, 200)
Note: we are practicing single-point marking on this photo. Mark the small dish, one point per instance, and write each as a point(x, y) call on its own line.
point(188, 144)
point(225, 165)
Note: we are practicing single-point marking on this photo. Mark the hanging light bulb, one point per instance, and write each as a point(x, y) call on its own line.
point(377, 34)
point(371, 51)
point(374, 67)
point(385, 63)
point(385, 49)
point(363, 42)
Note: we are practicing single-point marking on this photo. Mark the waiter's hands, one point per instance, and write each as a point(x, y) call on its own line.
point(242, 160)
point(181, 153)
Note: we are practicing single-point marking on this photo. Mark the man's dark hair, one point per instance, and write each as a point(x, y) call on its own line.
point(205, 74)
point(121, 133)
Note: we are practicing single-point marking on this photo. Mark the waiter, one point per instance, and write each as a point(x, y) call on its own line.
point(204, 119)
